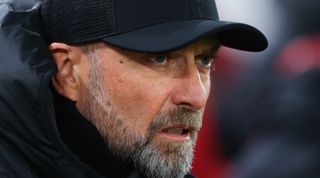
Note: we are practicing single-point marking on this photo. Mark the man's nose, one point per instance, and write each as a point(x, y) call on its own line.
point(190, 91)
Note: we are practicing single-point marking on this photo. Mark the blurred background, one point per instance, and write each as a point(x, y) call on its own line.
point(262, 117)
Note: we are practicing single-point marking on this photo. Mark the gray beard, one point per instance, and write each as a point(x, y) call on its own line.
point(164, 159)
point(152, 159)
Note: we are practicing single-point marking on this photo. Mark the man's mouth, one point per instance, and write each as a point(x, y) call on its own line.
point(177, 133)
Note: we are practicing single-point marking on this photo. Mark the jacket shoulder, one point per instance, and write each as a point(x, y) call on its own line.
point(12, 164)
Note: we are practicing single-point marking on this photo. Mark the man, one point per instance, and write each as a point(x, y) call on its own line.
point(130, 80)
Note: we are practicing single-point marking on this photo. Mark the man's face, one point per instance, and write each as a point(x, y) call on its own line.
point(148, 107)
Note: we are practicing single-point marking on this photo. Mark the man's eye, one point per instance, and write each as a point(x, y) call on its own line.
point(205, 61)
point(159, 60)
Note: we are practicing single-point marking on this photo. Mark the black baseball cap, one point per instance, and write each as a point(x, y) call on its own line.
point(144, 25)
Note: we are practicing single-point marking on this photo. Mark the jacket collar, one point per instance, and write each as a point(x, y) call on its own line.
point(84, 140)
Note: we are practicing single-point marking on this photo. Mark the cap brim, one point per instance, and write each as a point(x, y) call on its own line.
point(170, 36)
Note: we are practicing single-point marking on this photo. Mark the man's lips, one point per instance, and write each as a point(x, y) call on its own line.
point(178, 133)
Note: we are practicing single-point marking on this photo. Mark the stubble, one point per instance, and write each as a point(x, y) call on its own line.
point(153, 158)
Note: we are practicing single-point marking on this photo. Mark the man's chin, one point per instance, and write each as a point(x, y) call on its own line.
point(166, 159)
point(174, 156)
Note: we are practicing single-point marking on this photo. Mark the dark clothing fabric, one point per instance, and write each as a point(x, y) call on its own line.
point(18, 4)
point(84, 140)
point(30, 143)
point(42, 135)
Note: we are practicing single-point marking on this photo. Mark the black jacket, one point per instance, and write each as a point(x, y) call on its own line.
point(30, 144)
point(41, 133)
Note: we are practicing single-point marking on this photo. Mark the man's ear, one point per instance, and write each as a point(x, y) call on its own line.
point(66, 81)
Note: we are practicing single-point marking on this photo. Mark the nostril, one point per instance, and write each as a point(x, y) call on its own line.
point(185, 104)
point(189, 101)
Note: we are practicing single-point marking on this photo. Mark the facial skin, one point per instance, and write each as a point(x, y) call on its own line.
point(148, 107)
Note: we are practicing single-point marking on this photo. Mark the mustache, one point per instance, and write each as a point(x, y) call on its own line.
point(177, 116)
